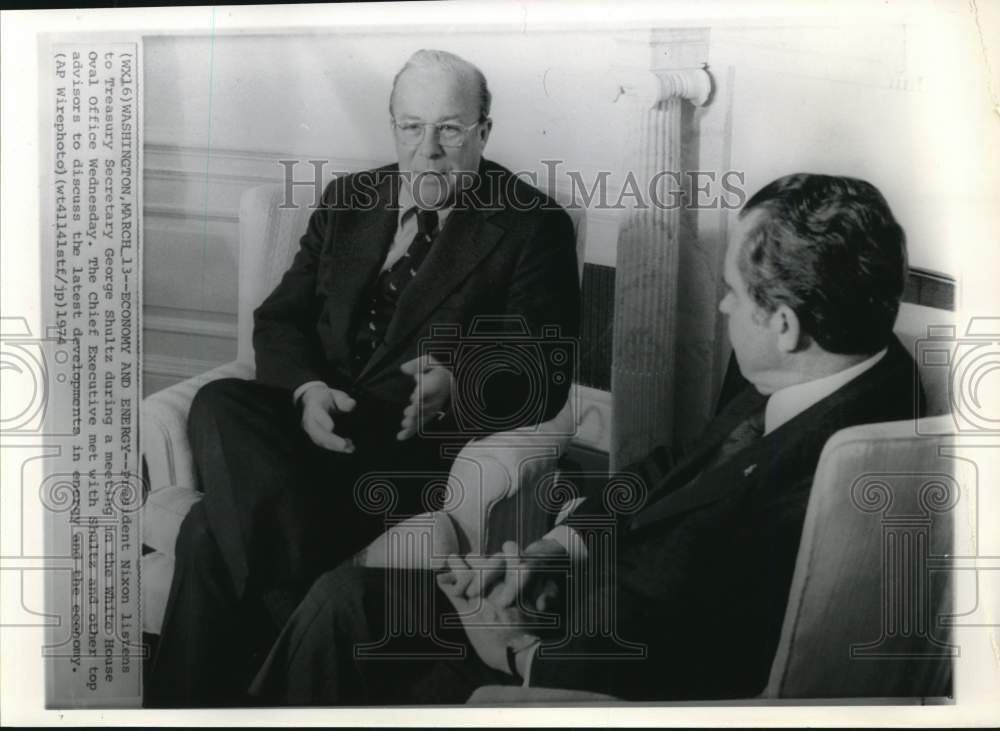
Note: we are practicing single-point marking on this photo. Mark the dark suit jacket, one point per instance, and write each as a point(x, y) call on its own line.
point(702, 572)
point(506, 250)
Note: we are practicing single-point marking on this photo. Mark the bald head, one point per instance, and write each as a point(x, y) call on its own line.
point(429, 62)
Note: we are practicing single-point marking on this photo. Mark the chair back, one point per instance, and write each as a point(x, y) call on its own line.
point(916, 326)
point(872, 584)
point(269, 239)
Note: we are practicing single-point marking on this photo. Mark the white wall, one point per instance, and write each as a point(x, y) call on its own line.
point(329, 93)
point(844, 101)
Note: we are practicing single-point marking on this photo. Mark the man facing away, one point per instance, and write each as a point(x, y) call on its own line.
point(396, 265)
point(677, 591)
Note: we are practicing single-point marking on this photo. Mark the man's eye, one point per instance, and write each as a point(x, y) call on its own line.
point(450, 129)
point(409, 127)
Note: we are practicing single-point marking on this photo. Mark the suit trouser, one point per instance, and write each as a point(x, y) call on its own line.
point(277, 512)
point(373, 637)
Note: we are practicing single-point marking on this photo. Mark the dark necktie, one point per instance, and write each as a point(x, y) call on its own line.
point(390, 285)
point(746, 433)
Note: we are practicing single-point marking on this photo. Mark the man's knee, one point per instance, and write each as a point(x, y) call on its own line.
point(237, 404)
point(345, 580)
point(337, 593)
point(214, 398)
point(230, 406)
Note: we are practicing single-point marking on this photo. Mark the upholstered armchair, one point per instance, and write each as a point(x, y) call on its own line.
point(488, 496)
point(881, 513)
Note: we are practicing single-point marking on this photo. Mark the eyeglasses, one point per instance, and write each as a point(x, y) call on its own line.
point(449, 134)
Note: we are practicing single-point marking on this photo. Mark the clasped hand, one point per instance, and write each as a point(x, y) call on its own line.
point(492, 596)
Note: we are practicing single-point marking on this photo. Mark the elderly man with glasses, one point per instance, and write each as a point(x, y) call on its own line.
point(359, 360)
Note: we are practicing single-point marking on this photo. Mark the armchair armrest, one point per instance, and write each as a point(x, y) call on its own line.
point(491, 471)
point(164, 417)
point(421, 542)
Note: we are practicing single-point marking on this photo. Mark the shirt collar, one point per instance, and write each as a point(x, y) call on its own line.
point(408, 208)
point(789, 402)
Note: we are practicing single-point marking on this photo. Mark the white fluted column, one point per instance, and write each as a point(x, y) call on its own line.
point(645, 325)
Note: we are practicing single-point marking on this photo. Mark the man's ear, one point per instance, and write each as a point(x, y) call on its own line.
point(786, 327)
point(484, 132)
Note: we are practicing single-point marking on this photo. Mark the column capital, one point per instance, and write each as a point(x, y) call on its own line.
point(650, 88)
point(693, 84)
point(666, 63)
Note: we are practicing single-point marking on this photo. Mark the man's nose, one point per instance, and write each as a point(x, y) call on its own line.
point(429, 144)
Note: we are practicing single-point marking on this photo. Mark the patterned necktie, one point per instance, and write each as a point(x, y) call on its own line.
point(390, 285)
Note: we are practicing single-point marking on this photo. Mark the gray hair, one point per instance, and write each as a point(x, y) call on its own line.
point(431, 58)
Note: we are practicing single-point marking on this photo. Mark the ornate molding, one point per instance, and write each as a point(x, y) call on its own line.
point(170, 367)
point(189, 325)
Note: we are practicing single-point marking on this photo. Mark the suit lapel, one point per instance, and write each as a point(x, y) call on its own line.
point(737, 474)
point(684, 489)
point(740, 409)
point(467, 238)
point(363, 238)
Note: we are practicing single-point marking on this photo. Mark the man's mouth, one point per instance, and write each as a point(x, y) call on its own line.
point(432, 177)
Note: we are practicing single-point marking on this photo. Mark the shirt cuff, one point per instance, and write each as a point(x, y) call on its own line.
point(528, 663)
point(570, 541)
point(568, 508)
point(297, 394)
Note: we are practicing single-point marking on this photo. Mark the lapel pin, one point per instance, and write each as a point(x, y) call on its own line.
point(749, 470)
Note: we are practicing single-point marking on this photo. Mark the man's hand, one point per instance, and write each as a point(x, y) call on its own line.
point(320, 404)
point(519, 579)
point(431, 391)
point(490, 630)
